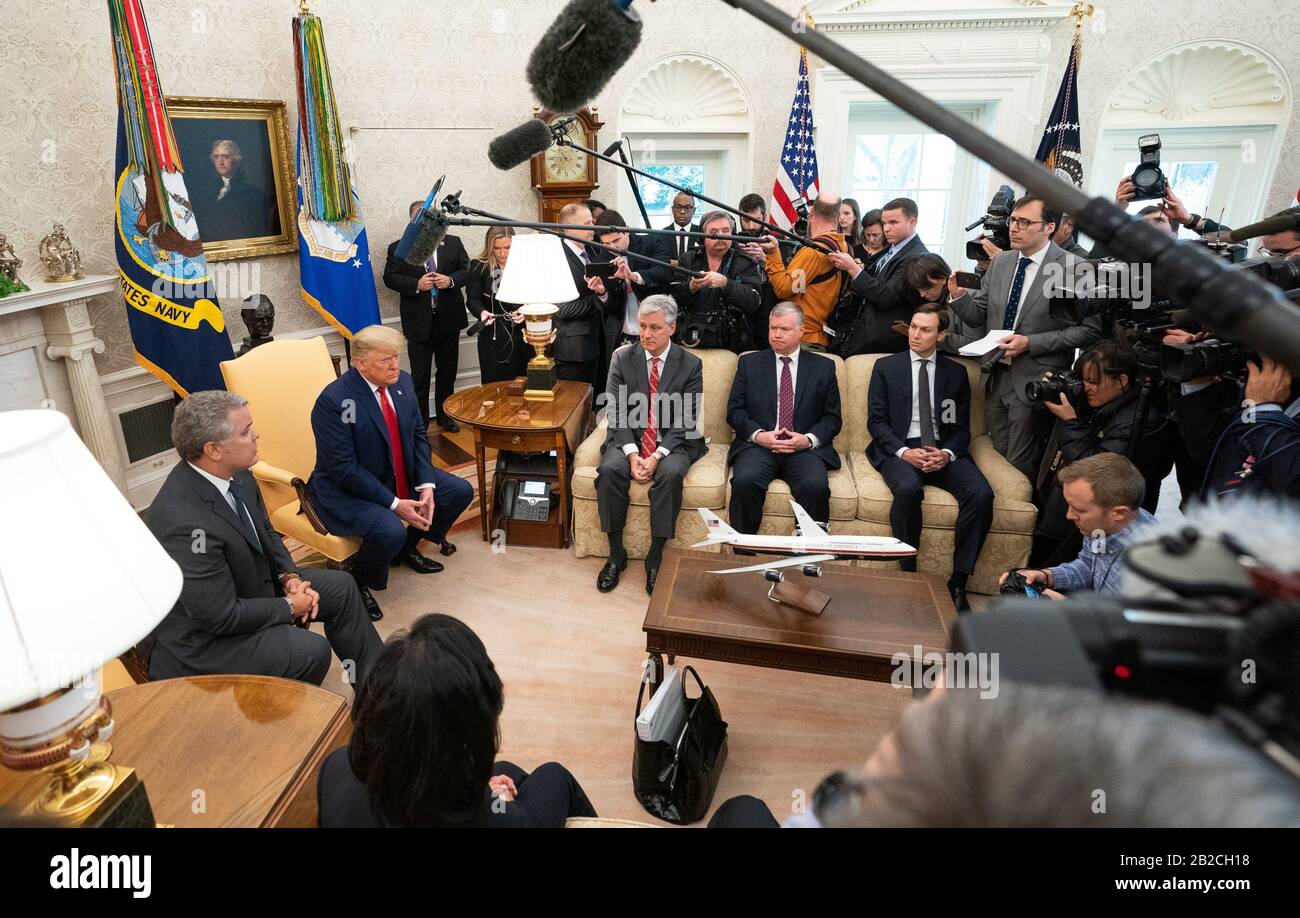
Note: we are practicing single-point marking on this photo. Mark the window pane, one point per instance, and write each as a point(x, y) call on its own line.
point(1193, 183)
point(938, 154)
point(933, 217)
point(869, 160)
point(658, 198)
point(903, 165)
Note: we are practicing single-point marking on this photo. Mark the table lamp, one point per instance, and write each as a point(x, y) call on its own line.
point(537, 276)
point(81, 581)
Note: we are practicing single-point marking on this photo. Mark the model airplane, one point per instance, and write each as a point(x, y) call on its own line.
point(811, 545)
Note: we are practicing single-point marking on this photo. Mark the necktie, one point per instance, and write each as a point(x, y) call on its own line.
point(432, 266)
point(394, 443)
point(785, 402)
point(650, 436)
point(884, 259)
point(245, 518)
point(923, 404)
point(1013, 300)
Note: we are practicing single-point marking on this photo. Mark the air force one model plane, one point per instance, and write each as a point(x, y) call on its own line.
point(811, 546)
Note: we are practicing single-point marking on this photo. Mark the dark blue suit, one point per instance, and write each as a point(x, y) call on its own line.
point(752, 407)
point(890, 399)
point(353, 485)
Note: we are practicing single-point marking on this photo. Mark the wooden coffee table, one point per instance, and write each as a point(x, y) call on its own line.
point(872, 616)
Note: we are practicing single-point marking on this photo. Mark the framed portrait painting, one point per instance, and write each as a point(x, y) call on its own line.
point(239, 174)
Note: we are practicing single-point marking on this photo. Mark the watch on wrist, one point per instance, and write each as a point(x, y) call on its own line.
point(1193, 221)
point(290, 602)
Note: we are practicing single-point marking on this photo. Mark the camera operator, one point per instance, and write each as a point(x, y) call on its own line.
point(1170, 214)
point(717, 310)
point(1096, 415)
point(1012, 296)
point(1103, 495)
point(1247, 435)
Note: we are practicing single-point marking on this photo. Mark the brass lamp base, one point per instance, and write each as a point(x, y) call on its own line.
point(94, 794)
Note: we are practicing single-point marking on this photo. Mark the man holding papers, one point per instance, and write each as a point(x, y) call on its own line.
point(1012, 296)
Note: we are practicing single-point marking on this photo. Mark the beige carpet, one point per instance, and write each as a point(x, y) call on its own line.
point(570, 658)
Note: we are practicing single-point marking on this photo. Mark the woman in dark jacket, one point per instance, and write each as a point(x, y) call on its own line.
point(1102, 422)
point(425, 734)
point(502, 352)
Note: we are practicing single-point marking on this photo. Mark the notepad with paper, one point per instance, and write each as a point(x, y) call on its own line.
point(983, 345)
point(662, 718)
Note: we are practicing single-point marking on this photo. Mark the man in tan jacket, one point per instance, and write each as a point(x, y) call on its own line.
point(810, 281)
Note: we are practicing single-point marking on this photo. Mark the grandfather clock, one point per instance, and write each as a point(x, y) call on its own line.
point(563, 175)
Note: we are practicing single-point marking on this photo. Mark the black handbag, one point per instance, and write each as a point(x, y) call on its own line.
point(676, 781)
point(852, 331)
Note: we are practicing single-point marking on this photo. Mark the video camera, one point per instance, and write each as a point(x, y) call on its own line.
point(1227, 610)
point(996, 224)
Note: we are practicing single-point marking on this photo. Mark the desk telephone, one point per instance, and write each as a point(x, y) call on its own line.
point(527, 500)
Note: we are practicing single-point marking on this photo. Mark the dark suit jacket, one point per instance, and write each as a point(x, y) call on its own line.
point(246, 210)
point(752, 404)
point(579, 323)
point(743, 290)
point(654, 279)
point(880, 289)
point(679, 403)
point(889, 406)
point(671, 242)
point(231, 582)
point(422, 319)
point(353, 480)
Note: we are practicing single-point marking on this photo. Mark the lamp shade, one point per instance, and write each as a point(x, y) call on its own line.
point(537, 271)
point(81, 577)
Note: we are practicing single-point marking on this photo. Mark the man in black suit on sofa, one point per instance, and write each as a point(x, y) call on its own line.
point(918, 415)
point(433, 316)
point(785, 410)
point(245, 607)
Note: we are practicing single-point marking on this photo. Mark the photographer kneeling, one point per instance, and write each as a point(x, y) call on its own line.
point(1096, 409)
point(1103, 495)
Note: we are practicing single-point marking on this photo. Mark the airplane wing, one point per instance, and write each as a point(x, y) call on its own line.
point(773, 565)
point(808, 527)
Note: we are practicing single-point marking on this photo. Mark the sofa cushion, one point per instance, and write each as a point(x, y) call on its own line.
point(844, 495)
point(705, 484)
point(938, 507)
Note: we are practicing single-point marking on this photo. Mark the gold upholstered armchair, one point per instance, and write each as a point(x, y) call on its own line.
point(281, 380)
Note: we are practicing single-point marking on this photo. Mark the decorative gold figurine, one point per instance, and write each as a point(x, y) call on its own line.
point(10, 282)
point(62, 261)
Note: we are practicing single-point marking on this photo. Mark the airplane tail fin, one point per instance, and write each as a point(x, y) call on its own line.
point(719, 531)
point(808, 527)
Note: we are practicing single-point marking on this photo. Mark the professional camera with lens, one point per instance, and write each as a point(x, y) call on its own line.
point(726, 329)
point(801, 219)
point(1147, 178)
point(996, 224)
point(1066, 383)
point(1182, 362)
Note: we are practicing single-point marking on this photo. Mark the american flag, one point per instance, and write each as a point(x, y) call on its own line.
point(1060, 150)
point(796, 175)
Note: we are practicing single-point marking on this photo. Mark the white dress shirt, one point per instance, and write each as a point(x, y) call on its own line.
point(630, 448)
point(379, 400)
point(794, 390)
point(224, 488)
point(914, 426)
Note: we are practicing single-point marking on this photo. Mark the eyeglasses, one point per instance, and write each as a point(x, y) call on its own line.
point(686, 207)
point(1021, 223)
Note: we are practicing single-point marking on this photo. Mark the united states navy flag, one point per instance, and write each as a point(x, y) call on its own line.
point(177, 328)
point(1061, 150)
point(333, 251)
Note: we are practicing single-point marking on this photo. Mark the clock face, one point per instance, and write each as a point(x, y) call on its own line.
point(565, 164)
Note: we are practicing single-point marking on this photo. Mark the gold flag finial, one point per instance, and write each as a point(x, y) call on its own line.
point(1080, 12)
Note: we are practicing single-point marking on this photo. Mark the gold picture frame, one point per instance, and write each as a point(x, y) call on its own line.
point(242, 220)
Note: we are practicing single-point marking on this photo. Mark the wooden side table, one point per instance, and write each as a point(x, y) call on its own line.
point(516, 424)
point(220, 751)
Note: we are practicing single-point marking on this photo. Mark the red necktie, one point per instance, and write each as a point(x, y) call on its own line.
point(395, 442)
point(649, 437)
point(785, 403)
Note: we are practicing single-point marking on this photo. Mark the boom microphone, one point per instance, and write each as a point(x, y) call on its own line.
point(1279, 224)
point(585, 46)
point(518, 145)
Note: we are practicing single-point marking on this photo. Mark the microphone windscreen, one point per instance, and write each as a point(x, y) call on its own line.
point(518, 145)
point(585, 46)
point(430, 229)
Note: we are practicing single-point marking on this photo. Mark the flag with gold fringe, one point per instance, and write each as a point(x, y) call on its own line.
point(333, 251)
point(177, 329)
point(1061, 147)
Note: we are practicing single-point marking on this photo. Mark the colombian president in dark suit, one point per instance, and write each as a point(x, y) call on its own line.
point(653, 403)
point(433, 315)
point(785, 410)
point(245, 607)
point(374, 469)
point(918, 415)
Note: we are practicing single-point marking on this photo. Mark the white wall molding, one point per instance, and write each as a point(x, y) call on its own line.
point(1203, 82)
point(686, 92)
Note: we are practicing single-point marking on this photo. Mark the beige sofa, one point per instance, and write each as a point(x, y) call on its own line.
point(860, 499)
